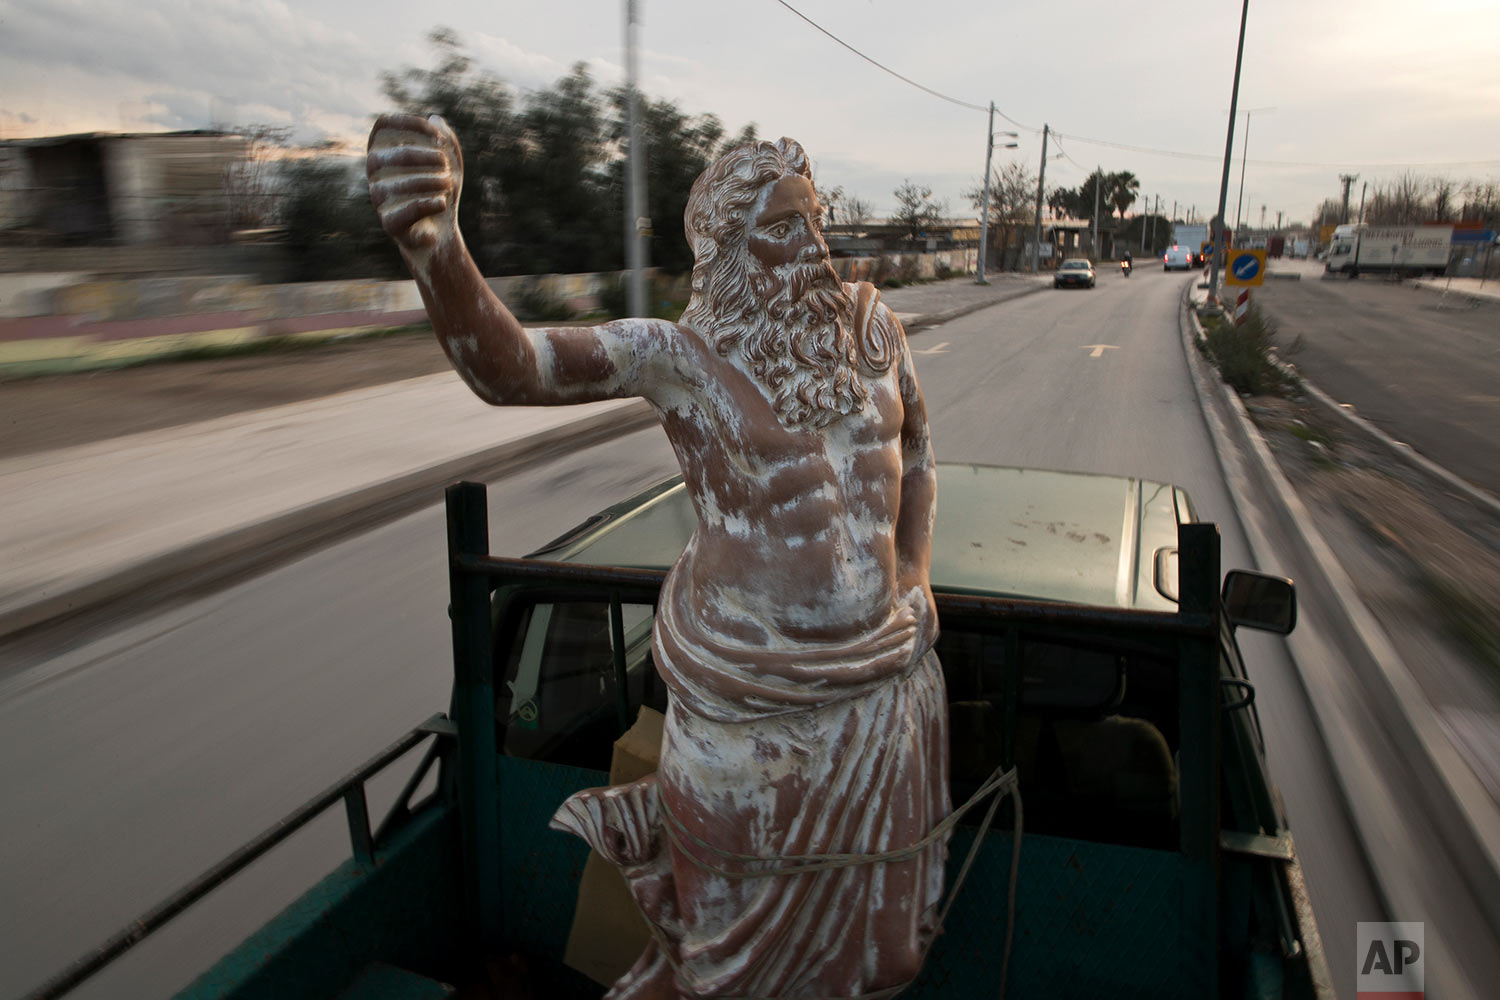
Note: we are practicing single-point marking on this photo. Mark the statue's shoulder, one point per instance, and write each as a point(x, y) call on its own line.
point(878, 335)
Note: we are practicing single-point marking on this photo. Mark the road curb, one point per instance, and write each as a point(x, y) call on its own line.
point(186, 572)
point(1457, 802)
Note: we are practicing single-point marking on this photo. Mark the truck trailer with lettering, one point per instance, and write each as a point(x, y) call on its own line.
point(1405, 251)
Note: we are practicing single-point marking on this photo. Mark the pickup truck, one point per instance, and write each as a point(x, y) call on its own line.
point(1086, 642)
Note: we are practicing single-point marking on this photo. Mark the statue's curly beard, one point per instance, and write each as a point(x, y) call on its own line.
point(791, 324)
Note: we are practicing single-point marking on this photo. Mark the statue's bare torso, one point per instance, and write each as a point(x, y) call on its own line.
point(796, 526)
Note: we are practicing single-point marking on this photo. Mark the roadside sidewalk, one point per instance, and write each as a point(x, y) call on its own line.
point(102, 522)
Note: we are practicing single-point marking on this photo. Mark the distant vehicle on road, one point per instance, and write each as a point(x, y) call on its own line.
point(1076, 273)
point(1192, 237)
point(1177, 258)
point(1408, 251)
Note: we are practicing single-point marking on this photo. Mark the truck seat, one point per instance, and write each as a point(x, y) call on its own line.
point(1117, 774)
point(1112, 779)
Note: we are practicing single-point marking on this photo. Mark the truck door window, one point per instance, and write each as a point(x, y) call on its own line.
point(557, 697)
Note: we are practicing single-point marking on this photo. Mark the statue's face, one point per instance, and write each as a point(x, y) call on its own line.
point(785, 226)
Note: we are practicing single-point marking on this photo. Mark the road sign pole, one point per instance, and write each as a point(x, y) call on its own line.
point(1234, 97)
point(1242, 307)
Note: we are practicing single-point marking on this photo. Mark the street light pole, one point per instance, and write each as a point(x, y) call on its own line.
point(984, 224)
point(635, 197)
point(1234, 96)
point(1244, 151)
point(984, 218)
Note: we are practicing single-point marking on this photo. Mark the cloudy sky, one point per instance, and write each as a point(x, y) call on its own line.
point(1373, 87)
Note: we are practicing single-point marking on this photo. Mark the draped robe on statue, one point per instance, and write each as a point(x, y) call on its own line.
point(777, 752)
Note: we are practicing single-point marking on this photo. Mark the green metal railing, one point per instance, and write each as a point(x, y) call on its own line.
point(364, 845)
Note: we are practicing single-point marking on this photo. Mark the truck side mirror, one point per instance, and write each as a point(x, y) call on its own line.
point(1260, 601)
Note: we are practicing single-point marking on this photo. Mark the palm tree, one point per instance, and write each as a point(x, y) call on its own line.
point(1122, 188)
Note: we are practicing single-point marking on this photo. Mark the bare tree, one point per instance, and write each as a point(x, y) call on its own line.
point(832, 200)
point(1328, 212)
point(857, 211)
point(250, 183)
point(1481, 202)
point(1444, 208)
point(1012, 202)
point(916, 212)
point(1402, 202)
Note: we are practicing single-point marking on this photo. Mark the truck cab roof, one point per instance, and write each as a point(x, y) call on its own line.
point(1106, 541)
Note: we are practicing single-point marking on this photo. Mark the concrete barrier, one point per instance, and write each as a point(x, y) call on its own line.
point(53, 322)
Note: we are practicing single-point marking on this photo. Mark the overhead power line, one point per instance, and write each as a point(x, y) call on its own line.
point(904, 79)
point(1331, 165)
point(1148, 150)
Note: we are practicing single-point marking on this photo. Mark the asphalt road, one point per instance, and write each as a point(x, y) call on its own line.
point(1422, 367)
point(130, 763)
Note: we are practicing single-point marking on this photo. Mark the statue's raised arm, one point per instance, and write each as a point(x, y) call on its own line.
point(415, 168)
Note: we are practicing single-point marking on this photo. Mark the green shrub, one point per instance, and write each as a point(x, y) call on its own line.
point(614, 299)
point(1243, 354)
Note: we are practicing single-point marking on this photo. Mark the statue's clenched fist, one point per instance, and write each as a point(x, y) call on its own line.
point(416, 173)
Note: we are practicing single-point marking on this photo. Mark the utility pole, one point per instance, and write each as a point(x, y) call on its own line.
point(1222, 244)
point(1144, 219)
point(1036, 245)
point(1362, 189)
point(1098, 180)
point(1278, 221)
point(1348, 181)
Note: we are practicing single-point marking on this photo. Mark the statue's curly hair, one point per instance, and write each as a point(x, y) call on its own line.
point(806, 359)
point(715, 219)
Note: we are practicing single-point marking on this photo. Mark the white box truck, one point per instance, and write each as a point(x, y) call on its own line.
point(1402, 250)
point(1193, 238)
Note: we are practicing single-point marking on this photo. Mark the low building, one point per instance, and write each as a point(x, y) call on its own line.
point(875, 236)
point(117, 189)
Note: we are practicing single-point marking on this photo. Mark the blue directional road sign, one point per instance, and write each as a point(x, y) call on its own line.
point(1246, 267)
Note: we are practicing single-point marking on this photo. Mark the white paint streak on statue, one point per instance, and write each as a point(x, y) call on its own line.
point(807, 713)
